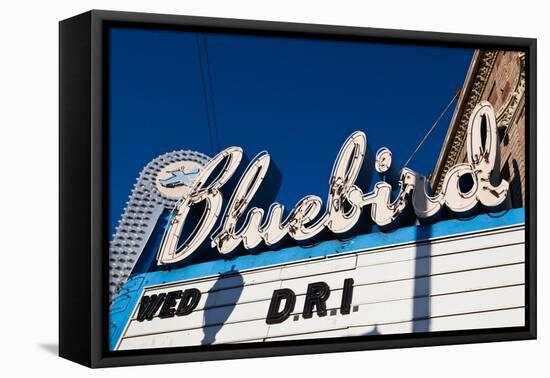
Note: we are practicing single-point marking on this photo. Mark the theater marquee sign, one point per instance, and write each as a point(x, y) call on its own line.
point(225, 191)
point(447, 261)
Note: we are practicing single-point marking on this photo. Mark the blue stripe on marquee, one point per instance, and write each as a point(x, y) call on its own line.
point(123, 306)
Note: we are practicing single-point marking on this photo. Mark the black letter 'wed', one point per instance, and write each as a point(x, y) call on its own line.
point(149, 306)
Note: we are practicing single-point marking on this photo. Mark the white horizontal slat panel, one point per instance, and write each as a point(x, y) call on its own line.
point(391, 291)
point(231, 333)
point(228, 281)
point(490, 319)
point(366, 275)
point(440, 264)
point(440, 284)
point(333, 264)
point(443, 247)
point(378, 314)
point(256, 277)
point(338, 263)
point(403, 310)
point(392, 286)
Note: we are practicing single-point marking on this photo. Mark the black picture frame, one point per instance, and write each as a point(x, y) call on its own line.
point(83, 154)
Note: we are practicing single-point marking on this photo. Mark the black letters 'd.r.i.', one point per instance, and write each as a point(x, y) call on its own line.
point(316, 297)
point(276, 315)
point(315, 300)
point(347, 294)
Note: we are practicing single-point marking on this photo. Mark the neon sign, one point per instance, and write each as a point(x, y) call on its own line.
point(346, 201)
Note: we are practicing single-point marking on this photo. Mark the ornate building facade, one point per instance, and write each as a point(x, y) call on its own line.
point(497, 77)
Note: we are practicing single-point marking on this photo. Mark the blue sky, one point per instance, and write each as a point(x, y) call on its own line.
point(299, 99)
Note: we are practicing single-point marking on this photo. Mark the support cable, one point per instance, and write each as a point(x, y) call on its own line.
point(433, 127)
